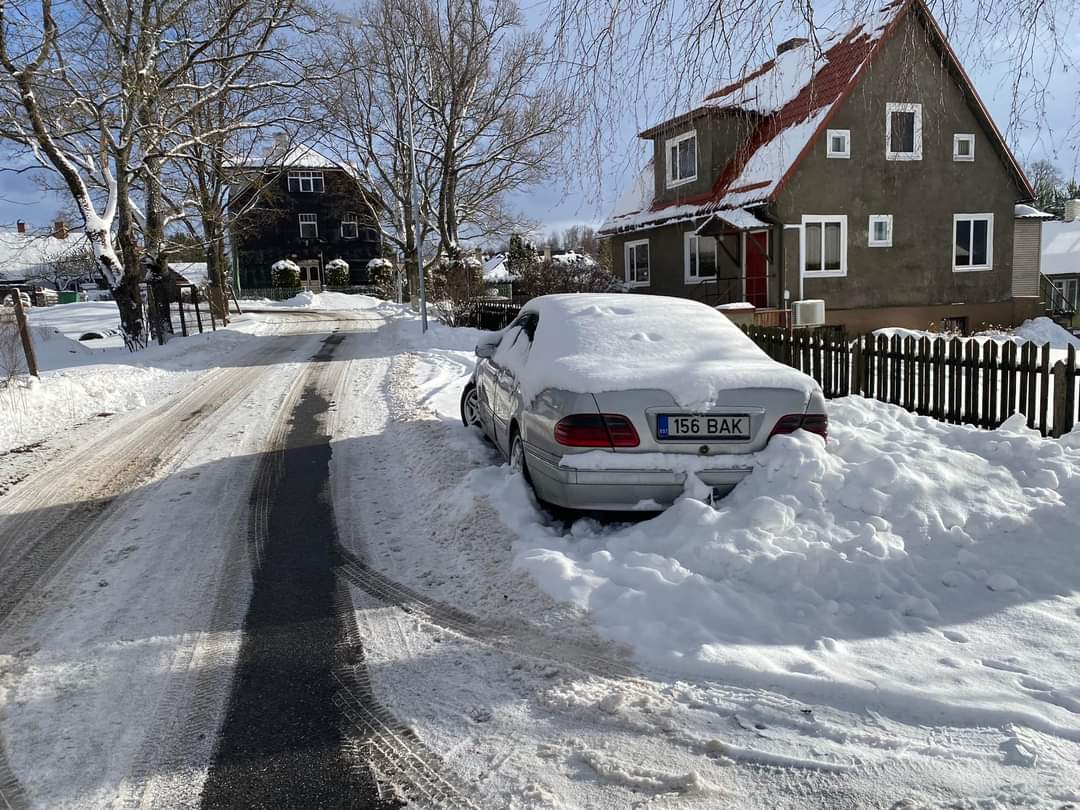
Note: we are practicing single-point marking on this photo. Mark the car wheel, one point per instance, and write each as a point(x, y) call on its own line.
point(517, 456)
point(470, 406)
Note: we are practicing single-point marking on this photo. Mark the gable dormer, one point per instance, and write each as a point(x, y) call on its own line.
point(691, 151)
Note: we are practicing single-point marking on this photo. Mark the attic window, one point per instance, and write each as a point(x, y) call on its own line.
point(306, 182)
point(681, 159)
point(963, 147)
point(903, 131)
point(839, 145)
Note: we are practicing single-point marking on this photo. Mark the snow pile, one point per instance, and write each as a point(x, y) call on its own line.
point(1043, 330)
point(591, 343)
point(903, 539)
point(329, 301)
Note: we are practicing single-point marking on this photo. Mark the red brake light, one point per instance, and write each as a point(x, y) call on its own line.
point(812, 423)
point(596, 430)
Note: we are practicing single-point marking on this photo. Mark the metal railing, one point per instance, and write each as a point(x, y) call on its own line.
point(1055, 300)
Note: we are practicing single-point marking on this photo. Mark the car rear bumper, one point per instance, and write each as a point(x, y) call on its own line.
point(617, 489)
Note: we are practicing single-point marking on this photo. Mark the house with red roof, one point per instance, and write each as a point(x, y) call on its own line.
point(863, 170)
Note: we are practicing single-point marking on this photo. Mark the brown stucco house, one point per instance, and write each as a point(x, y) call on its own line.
point(865, 172)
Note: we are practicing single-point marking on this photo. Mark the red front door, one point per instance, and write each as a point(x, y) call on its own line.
point(757, 268)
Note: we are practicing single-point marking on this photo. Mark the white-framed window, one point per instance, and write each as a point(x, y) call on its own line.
point(309, 226)
point(1069, 289)
point(963, 146)
point(681, 160)
point(973, 242)
point(823, 246)
point(903, 131)
point(880, 230)
point(838, 143)
point(699, 257)
point(350, 226)
point(306, 182)
point(637, 263)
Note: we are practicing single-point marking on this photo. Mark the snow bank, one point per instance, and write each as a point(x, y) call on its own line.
point(593, 343)
point(331, 301)
point(1043, 330)
point(829, 562)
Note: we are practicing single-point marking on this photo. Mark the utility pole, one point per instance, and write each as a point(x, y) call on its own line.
point(416, 198)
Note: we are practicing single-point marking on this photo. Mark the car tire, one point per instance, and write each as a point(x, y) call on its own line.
point(517, 456)
point(470, 406)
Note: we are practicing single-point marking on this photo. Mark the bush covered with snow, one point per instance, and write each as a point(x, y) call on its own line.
point(381, 274)
point(285, 273)
point(337, 273)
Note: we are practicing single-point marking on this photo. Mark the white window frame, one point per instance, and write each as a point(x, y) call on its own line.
point(350, 218)
point(627, 247)
point(963, 137)
point(834, 133)
point(974, 268)
point(307, 178)
point(672, 181)
point(689, 239)
point(892, 107)
point(313, 221)
point(874, 219)
point(823, 219)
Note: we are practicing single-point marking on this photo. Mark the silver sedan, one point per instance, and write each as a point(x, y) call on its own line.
point(610, 402)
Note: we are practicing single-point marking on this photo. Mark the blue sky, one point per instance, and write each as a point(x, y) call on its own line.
point(587, 194)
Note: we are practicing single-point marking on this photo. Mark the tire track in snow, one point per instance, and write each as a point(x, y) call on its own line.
point(50, 515)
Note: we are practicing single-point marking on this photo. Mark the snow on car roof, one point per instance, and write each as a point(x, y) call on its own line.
point(590, 343)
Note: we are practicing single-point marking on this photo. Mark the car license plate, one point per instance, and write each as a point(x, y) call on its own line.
point(718, 427)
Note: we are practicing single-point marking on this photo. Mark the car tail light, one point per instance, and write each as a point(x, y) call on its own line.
point(811, 422)
point(596, 430)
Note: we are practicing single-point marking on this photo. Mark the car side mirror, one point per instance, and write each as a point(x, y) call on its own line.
point(485, 350)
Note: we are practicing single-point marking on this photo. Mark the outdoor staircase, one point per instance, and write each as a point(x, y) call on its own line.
point(1058, 308)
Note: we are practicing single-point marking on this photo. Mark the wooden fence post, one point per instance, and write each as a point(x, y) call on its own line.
point(1061, 410)
point(195, 301)
point(24, 332)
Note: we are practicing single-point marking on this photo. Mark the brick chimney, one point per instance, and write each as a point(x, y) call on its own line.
point(21, 226)
point(1072, 210)
point(60, 229)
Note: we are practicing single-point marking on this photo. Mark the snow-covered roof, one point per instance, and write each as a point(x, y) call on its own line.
point(192, 272)
point(789, 98)
point(1060, 248)
point(738, 218)
point(591, 343)
point(494, 270)
point(572, 257)
point(21, 253)
point(298, 157)
point(1021, 211)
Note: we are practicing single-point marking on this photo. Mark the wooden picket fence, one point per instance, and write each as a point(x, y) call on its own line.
point(955, 380)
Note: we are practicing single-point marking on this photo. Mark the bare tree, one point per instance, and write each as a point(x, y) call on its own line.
point(1048, 183)
point(487, 117)
point(98, 95)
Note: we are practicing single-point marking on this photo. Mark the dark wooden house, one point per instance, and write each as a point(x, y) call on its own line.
point(303, 206)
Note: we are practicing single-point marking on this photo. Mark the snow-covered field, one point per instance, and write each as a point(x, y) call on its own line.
point(890, 617)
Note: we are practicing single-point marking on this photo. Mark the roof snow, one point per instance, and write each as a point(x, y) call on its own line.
point(1021, 211)
point(21, 253)
point(298, 157)
point(1060, 248)
point(494, 270)
point(794, 93)
point(192, 272)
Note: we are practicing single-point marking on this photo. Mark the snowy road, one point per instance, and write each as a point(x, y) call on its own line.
point(297, 582)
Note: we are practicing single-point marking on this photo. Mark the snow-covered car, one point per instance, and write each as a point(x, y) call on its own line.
point(612, 402)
